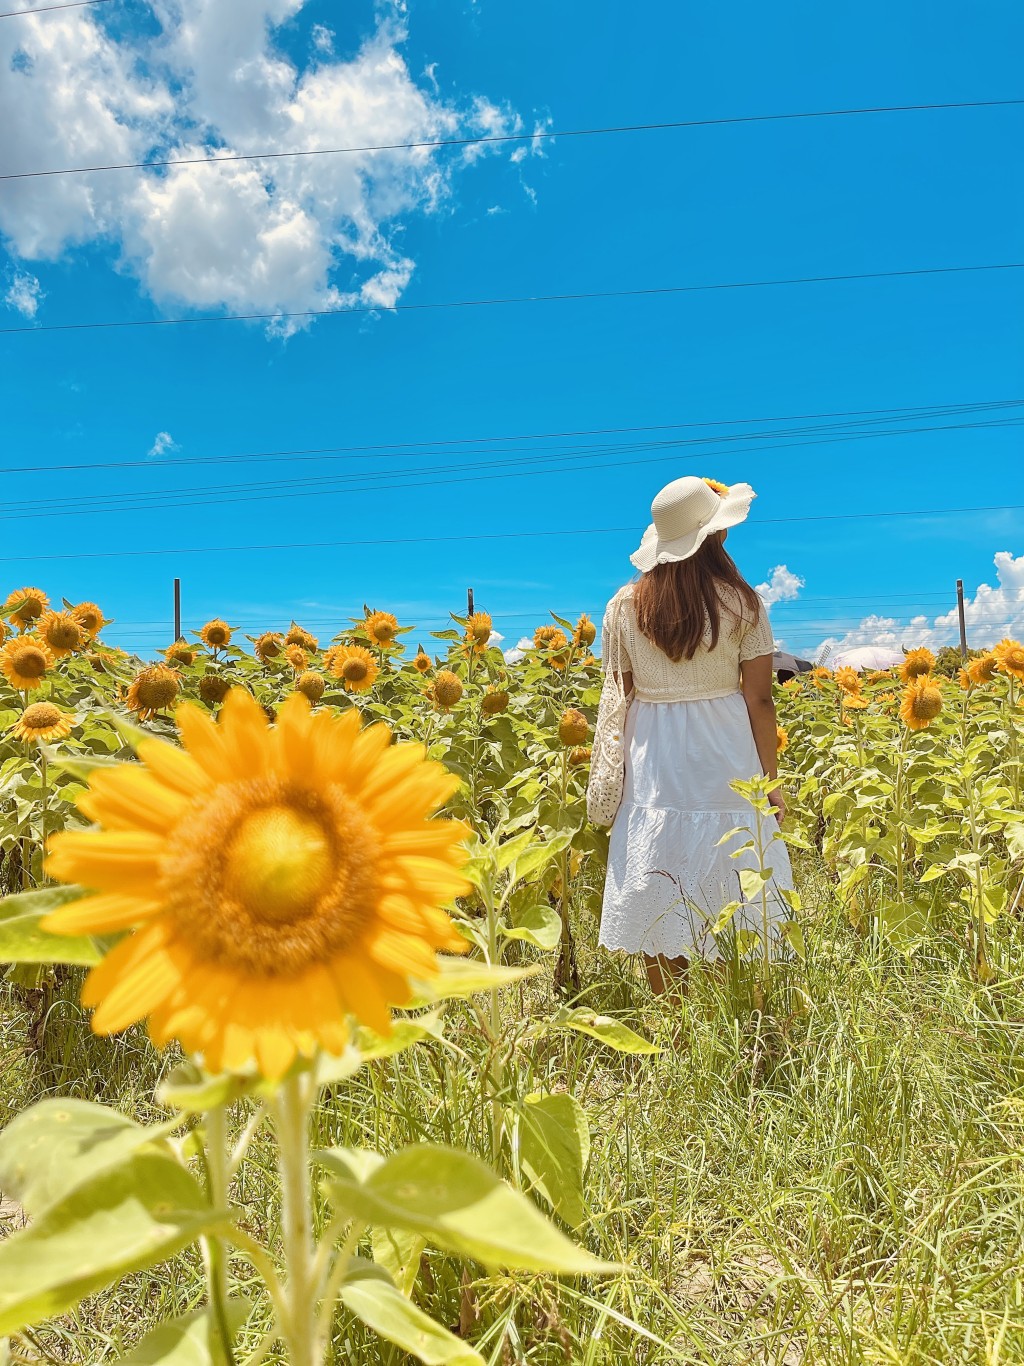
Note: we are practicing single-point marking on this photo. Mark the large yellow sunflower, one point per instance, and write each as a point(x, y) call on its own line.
point(298, 636)
point(916, 663)
point(275, 882)
point(1010, 654)
point(152, 690)
point(983, 669)
point(478, 632)
point(848, 679)
point(422, 663)
point(32, 603)
point(922, 702)
point(24, 662)
point(381, 627)
point(41, 721)
point(355, 666)
point(62, 632)
point(180, 653)
point(216, 634)
point(90, 618)
point(297, 658)
point(268, 646)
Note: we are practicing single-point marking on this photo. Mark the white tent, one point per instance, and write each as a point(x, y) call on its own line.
point(866, 657)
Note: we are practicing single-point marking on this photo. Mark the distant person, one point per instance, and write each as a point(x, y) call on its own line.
point(690, 645)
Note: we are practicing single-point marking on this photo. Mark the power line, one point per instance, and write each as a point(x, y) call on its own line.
point(663, 290)
point(490, 535)
point(416, 447)
point(536, 135)
point(45, 9)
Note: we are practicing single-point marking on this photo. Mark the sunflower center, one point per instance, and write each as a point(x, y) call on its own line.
point(927, 705)
point(41, 715)
point(354, 670)
point(279, 862)
point(30, 663)
point(65, 635)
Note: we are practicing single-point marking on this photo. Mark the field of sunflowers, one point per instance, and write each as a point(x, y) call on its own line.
point(359, 1087)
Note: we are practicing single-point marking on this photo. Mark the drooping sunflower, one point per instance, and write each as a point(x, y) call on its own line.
point(848, 679)
point(268, 645)
point(42, 721)
point(718, 487)
point(24, 662)
point(855, 701)
point(31, 603)
point(355, 666)
point(781, 739)
point(546, 636)
point(916, 663)
point(921, 704)
point(152, 690)
point(578, 757)
point(275, 882)
point(180, 653)
point(983, 669)
point(311, 685)
point(819, 676)
point(494, 702)
point(213, 688)
point(297, 658)
point(447, 690)
point(298, 636)
point(479, 627)
point(584, 632)
point(381, 627)
point(879, 676)
point(216, 634)
point(421, 663)
point(1010, 654)
point(573, 728)
point(62, 633)
point(90, 618)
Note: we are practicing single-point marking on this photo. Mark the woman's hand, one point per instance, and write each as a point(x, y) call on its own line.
point(779, 802)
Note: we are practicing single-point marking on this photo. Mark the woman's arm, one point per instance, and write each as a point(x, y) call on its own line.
point(756, 682)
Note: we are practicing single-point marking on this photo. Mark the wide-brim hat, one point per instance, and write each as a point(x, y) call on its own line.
point(686, 512)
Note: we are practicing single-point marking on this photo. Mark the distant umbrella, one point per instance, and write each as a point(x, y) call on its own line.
point(786, 666)
point(866, 657)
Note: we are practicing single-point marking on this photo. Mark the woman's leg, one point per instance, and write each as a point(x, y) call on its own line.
point(666, 974)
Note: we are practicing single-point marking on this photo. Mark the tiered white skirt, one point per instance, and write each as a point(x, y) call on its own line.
point(668, 877)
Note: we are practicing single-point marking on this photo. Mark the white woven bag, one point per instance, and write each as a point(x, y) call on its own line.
point(608, 754)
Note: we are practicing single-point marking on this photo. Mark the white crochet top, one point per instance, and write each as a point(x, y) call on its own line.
point(710, 673)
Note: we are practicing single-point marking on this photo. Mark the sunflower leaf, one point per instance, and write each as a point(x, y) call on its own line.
point(461, 977)
point(601, 1027)
point(382, 1307)
point(185, 1341)
point(23, 940)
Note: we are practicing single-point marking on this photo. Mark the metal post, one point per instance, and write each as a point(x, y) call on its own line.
point(177, 609)
point(469, 602)
point(960, 614)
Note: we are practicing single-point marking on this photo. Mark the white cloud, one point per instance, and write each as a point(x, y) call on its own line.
point(990, 614)
point(514, 655)
point(291, 234)
point(163, 443)
point(782, 586)
point(24, 294)
point(495, 638)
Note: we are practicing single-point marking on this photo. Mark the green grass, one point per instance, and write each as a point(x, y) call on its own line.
point(836, 1179)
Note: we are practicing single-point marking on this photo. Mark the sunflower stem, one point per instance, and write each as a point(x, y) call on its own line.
point(215, 1249)
point(292, 1115)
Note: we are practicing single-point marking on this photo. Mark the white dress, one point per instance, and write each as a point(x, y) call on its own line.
point(687, 737)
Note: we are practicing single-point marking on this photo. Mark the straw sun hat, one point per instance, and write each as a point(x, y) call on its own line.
point(686, 512)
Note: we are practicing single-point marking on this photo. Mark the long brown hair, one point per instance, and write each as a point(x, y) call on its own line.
point(676, 603)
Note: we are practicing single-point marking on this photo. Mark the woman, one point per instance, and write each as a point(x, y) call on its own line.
point(692, 643)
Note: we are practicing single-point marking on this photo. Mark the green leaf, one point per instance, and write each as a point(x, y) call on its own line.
point(554, 1148)
point(192, 1091)
point(22, 940)
point(456, 1202)
point(602, 1027)
point(752, 880)
point(540, 925)
point(462, 977)
point(186, 1341)
point(404, 1034)
point(398, 1252)
point(731, 834)
point(382, 1307)
point(725, 915)
point(126, 1219)
point(540, 855)
point(510, 850)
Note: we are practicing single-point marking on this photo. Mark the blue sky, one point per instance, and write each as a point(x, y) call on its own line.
point(876, 193)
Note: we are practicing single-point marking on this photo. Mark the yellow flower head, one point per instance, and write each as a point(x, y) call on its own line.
point(215, 634)
point(793, 684)
point(578, 757)
point(983, 669)
point(297, 658)
point(922, 702)
point(24, 662)
point(33, 602)
point(302, 638)
point(152, 690)
point(585, 632)
point(180, 653)
point(355, 666)
point(311, 685)
point(275, 882)
point(966, 682)
point(819, 676)
point(916, 664)
point(546, 637)
point(879, 676)
point(1010, 654)
point(719, 488)
point(213, 688)
point(854, 701)
point(447, 689)
point(41, 721)
point(62, 633)
point(781, 739)
point(90, 618)
point(494, 702)
point(268, 646)
point(573, 728)
point(478, 629)
point(381, 627)
point(422, 663)
point(848, 679)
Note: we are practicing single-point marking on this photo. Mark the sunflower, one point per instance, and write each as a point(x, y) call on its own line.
point(213, 688)
point(781, 739)
point(494, 702)
point(853, 701)
point(965, 680)
point(573, 728)
point(848, 679)
point(215, 634)
point(61, 632)
point(922, 702)
point(546, 636)
point(268, 646)
point(355, 666)
point(578, 757)
point(180, 653)
point(793, 684)
point(878, 676)
point(478, 629)
point(447, 689)
point(90, 618)
point(717, 486)
point(297, 658)
point(311, 685)
point(818, 676)
point(421, 663)
point(916, 663)
point(1010, 654)
point(381, 627)
point(29, 603)
point(152, 690)
point(42, 721)
point(297, 636)
point(275, 882)
point(24, 662)
point(983, 669)
point(584, 632)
